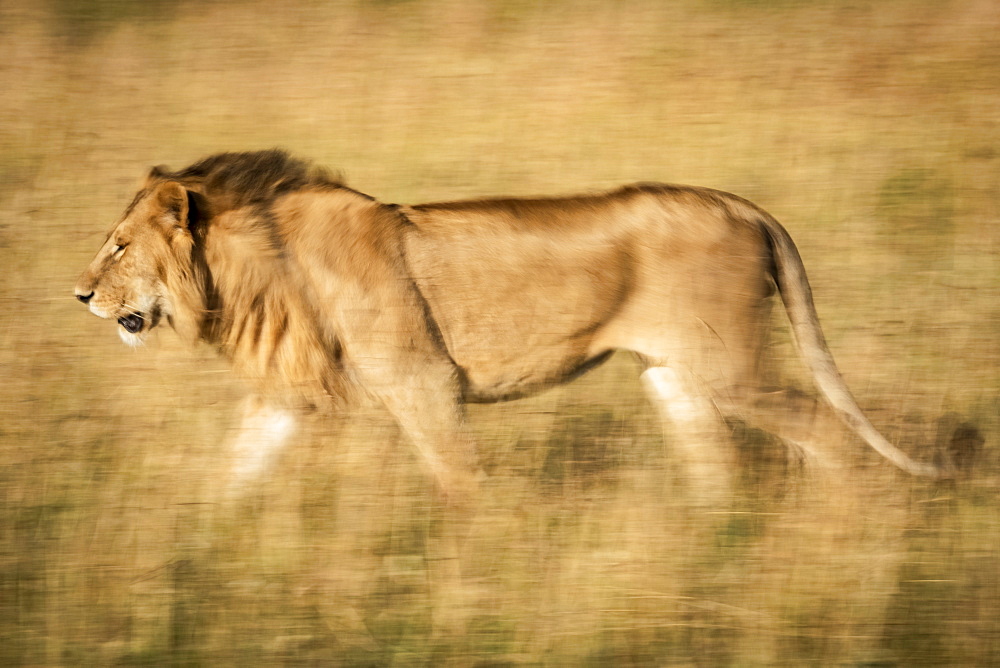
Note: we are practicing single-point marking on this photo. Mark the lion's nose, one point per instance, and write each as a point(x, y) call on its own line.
point(84, 297)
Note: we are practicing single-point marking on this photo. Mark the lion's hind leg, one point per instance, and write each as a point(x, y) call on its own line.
point(696, 435)
point(808, 426)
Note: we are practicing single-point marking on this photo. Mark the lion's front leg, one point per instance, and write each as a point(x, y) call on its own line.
point(395, 356)
point(263, 433)
point(430, 415)
point(448, 455)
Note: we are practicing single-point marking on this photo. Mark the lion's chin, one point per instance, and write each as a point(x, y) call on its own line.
point(130, 339)
point(134, 326)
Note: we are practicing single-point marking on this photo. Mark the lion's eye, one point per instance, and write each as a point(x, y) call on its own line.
point(117, 249)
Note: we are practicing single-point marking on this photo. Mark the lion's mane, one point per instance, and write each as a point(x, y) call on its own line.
point(240, 290)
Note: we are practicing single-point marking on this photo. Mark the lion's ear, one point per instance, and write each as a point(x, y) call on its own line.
point(157, 173)
point(172, 199)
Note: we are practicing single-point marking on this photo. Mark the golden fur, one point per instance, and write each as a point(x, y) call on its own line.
point(318, 292)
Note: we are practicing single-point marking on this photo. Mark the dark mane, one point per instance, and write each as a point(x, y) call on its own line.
point(228, 181)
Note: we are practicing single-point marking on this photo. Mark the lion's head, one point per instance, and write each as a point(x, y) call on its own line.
point(144, 268)
point(152, 265)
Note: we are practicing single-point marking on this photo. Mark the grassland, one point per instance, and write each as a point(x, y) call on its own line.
point(870, 129)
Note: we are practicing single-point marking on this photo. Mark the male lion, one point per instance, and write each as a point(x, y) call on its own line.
point(317, 292)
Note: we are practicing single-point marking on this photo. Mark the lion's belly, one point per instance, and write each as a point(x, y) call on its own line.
point(519, 314)
point(511, 345)
point(513, 379)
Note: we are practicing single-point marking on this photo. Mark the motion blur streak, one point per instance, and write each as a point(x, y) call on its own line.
point(869, 129)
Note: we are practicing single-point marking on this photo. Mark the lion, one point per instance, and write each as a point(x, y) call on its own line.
point(320, 295)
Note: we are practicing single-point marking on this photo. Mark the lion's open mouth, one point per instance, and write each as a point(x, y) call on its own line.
point(132, 323)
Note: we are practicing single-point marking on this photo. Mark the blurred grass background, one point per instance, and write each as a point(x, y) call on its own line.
point(869, 129)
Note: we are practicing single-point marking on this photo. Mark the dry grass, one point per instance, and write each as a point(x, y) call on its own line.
point(870, 130)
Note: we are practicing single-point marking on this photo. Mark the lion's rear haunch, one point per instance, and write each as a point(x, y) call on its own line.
point(317, 292)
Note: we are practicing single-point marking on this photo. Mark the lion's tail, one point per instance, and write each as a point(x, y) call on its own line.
point(790, 276)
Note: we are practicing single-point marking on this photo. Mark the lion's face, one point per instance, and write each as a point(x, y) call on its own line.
point(128, 279)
